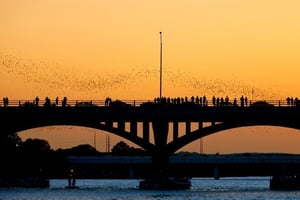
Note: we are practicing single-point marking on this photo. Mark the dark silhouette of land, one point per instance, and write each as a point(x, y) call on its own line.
point(34, 158)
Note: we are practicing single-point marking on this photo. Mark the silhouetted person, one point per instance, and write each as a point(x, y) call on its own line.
point(193, 99)
point(204, 101)
point(297, 102)
point(214, 101)
point(108, 101)
point(47, 102)
point(227, 100)
point(242, 101)
point(5, 101)
point(288, 100)
point(246, 101)
point(71, 179)
point(235, 102)
point(64, 102)
point(218, 101)
point(36, 100)
point(197, 100)
point(56, 101)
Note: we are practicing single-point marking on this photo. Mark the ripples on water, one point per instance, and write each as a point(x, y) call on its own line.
point(207, 189)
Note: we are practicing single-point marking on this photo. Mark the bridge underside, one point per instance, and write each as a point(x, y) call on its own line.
point(152, 137)
point(159, 131)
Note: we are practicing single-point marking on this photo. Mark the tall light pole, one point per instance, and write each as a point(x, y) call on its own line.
point(160, 83)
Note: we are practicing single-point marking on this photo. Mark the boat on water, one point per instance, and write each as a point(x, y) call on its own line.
point(285, 182)
point(166, 184)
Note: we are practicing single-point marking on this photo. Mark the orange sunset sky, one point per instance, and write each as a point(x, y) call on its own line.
point(91, 49)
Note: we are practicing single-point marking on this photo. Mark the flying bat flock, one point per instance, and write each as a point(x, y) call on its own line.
point(43, 75)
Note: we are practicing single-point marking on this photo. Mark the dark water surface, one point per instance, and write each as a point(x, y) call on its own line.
point(207, 189)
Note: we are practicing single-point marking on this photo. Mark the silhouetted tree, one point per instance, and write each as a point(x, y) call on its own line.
point(35, 157)
point(35, 146)
point(9, 153)
point(9, 143)
point(122, 149)
point(80, 150)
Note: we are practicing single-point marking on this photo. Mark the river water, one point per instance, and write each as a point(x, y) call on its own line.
point(204, 189)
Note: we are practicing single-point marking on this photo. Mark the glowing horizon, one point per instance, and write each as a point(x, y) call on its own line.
point(94, 49)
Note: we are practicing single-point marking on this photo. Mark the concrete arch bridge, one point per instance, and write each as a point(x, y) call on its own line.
point(124, 119)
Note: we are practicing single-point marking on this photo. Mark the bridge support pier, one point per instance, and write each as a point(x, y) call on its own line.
point(160, 158)
point(131, 172)
point(216, 173)
point(160, 177)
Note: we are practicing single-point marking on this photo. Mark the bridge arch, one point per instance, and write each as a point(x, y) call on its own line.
point(192, 136)
point(111, 130)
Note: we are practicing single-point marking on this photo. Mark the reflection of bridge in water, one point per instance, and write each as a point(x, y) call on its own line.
point(160, 119)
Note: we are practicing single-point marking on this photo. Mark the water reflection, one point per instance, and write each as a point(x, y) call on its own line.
point(207, 189)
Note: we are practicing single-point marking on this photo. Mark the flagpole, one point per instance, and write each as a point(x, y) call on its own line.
point(160, 84)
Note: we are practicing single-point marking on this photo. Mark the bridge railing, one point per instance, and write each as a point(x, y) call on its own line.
point(136, 103)
point(81, 102)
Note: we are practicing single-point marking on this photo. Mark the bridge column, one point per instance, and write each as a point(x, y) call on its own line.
point(131, 172)
point(146, 129)
point(200, 125)
point(188, 127)
point(160, 131)
point(216, 173)
point(121, 125)
point(133, 128)
point(175, 130)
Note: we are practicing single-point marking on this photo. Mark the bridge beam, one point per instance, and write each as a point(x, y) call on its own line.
point(109, 124)
point(121, 125)
point(133, 128)
point(200, 125)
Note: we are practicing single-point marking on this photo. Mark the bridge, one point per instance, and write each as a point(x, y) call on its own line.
point(122, 119)
point(160, 118)
point(192, 165)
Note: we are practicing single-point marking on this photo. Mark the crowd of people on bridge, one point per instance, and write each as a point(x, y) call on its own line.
point(49, 104)
point(218, 101)
point(292, 101)
point(197, 100)
point(203, 101)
